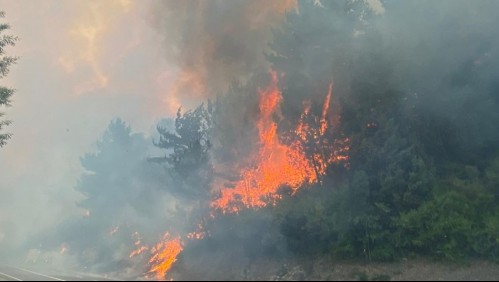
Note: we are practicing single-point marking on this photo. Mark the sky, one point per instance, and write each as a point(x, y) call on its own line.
point(82, 63)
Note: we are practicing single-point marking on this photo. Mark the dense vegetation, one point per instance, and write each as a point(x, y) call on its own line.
point(423, 175)
point(423, 124)
point(419, 107)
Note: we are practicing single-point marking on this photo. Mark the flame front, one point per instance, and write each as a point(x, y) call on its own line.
point(164, 255)
point(276, 164)
point(299, 160)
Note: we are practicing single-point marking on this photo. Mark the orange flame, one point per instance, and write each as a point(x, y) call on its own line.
point(276, 164)
point(322, 151)
point(302, 128)
point(164, 255)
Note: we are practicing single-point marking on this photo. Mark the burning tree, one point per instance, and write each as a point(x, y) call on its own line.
point(278, 161)
point(277, 164)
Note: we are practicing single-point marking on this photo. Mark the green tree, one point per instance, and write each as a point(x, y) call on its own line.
point(118, 173)
point(187, 155)
point(123, 193)
point(458, 222)
point(5, 64)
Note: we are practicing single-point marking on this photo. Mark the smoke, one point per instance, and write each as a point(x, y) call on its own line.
point(62, 105)
point(447, 63)
point(213, 43)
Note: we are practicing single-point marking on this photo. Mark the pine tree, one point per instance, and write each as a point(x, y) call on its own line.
point(5, 64)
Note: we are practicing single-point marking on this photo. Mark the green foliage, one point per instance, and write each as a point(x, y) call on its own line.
point(310, 228)
point(5, 63)
point(189, 141)
point(120, 191)
point(459, 221)
point(188, 151)
point(118, 174)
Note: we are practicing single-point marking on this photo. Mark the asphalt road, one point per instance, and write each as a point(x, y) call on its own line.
point(12, 273)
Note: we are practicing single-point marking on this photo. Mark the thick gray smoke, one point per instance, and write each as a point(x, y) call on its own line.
point(215, 42)
point(444, 53)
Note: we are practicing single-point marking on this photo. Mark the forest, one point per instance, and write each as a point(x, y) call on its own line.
point(393, 122)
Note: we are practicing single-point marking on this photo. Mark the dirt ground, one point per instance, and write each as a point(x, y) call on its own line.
point(420, 269)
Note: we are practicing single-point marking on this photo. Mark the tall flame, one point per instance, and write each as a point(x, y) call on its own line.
point(317, 144)
point(276, 164)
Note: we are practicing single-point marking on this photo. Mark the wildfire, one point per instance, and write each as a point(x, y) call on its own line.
point(316, 144)
point(164, 255)
point(277, 164)
point(301, 159)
